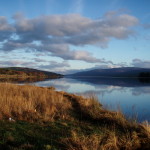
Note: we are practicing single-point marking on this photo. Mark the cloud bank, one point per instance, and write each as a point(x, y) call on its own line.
point(141, 63)
point(55, 34)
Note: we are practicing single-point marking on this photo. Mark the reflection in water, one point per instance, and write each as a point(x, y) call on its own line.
point(141, 91)
point(123, 82)
point(132, 96)
point(21, 80)
point(59, 84)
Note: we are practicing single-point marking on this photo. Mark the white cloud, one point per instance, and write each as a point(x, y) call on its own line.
point(56, 33)
point(4, 25)
point(55, 65)
point(141, 63)
point(48, 65)
point(14, 63)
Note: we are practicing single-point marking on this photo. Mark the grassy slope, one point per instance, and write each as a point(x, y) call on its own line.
point(47, 119)
point(13, 72)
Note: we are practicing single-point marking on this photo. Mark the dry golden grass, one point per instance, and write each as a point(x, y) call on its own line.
point(27, 102)
point(31, 103)
point(77, 142)
point(109, 141)
point(146, 126)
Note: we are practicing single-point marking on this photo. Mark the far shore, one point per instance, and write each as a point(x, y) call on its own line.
point(22, 76)
point(19, 76)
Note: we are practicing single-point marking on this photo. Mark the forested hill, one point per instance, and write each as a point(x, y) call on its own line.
point(19, 71)
point(115, 72)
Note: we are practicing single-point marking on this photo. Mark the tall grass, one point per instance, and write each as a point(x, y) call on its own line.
point(92, 127)
point(31, 103)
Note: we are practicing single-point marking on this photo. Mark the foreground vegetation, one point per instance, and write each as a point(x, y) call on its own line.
point(41, 118)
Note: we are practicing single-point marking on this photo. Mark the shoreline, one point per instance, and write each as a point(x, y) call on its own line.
point(59, 120)
point(19, 76)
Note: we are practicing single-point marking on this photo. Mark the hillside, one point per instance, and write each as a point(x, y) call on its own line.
point(115, 72)
point(27, 72)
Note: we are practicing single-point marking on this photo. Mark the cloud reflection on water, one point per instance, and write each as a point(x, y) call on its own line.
point(113, 93)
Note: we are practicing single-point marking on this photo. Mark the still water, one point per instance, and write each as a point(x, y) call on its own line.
point(131, 96)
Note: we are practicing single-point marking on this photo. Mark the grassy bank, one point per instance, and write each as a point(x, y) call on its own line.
point(40, 118)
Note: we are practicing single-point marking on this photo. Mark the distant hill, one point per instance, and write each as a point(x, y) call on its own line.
point(114, 72)
point(27, 72)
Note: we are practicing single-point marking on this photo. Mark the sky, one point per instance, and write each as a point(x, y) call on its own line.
point(67, 36)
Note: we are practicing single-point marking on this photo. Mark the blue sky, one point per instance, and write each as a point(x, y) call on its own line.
point(70, 35)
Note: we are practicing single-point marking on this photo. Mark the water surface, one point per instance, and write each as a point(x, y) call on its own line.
point(130, 95)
